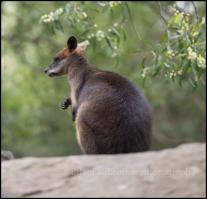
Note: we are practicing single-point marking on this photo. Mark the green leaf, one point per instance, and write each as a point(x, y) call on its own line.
point(167, 65)
point(102, 4)
point(143, 60)
point(93, 40)
point(67, 9)
point(123, 11)
point(84, 33)
point(109, 43)
point(176, 19)
point(92, 8)
point(117, 63)
point(180, 81)
point(111, 12)
point(56, 16)
point(156, 71)
point(124, 34)
point(181, 44)
point(175, 36)
point(117, 34)
point(193, 83)
point(143, 81)
point(58, 26)
point(51, 29)
point(136, 51)
point(163, 36)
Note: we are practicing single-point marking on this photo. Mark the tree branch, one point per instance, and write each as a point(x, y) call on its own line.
point(131, 20)
point(195, 11)
point(160, 12)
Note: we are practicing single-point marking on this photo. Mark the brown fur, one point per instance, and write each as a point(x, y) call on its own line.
point(111, 113)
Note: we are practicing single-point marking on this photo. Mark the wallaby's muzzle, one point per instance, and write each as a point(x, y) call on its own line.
point(49, 74)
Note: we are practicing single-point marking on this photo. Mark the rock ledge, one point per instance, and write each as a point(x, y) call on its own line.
point(177, 172)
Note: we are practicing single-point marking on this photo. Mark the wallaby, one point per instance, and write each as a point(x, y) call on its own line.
point(111, 114)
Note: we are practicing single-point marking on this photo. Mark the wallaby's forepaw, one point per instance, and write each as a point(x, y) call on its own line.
point(65, 103)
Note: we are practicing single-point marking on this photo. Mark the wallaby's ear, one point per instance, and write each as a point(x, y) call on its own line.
point(72, 43)
point(83, 45)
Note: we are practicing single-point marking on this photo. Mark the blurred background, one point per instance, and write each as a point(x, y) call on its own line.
point(33, 123)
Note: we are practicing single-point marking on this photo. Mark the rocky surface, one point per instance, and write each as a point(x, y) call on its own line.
point(6, 155)
point(177, 172)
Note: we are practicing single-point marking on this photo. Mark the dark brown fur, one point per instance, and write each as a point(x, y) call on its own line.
point(111, 114)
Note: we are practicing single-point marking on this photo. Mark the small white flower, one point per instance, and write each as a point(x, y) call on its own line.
point(84, 15)
point(194, 34)
point(189, 49)
point(44, 17)
point(202, 61)
point(109, 30)
point(173, 9)
point(92, 35)
point(116, 24)
point(171, 75)
point(192, 55)
point(180, 72)
point(89, 36)
point(177, 12)
point(115, 47)
point(46, 20)
point(100, 34)
point(170, 53)
point(59, 11)
point(51, 14)
point(143, 74)
point(111, 3)
point(95, 25)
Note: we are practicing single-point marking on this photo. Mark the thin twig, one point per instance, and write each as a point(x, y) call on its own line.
point(160, 12)
point(195, 11)
point(131, 20)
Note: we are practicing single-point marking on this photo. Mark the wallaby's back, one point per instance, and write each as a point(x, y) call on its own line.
point(113, 116)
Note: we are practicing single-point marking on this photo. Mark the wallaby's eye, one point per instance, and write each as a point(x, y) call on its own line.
point(56, 59)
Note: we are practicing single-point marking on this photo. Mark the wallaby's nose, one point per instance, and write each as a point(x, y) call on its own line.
point(46, 70)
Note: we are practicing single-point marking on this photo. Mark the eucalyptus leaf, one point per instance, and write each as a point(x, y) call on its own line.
point(163, 36)
point(84, 33)
point(109, 43)
point(117, 34)
point(116, 65)
point(67, 9)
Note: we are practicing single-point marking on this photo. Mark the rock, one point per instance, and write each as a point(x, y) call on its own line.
point(6, 155)
point(177, 172)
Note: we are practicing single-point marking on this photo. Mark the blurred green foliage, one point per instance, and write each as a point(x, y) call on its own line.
point(125, 37)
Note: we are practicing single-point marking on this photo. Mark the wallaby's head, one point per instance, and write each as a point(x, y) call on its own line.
point(66, 57)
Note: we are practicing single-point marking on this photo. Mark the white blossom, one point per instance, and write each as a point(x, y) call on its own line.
point(201, 61)
point(100, 34)
point(59, 11)
point(170, 53)
point(194, 34)
point(84, 15)
point(143, 74)
point(192, 55)
point(180, 72)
